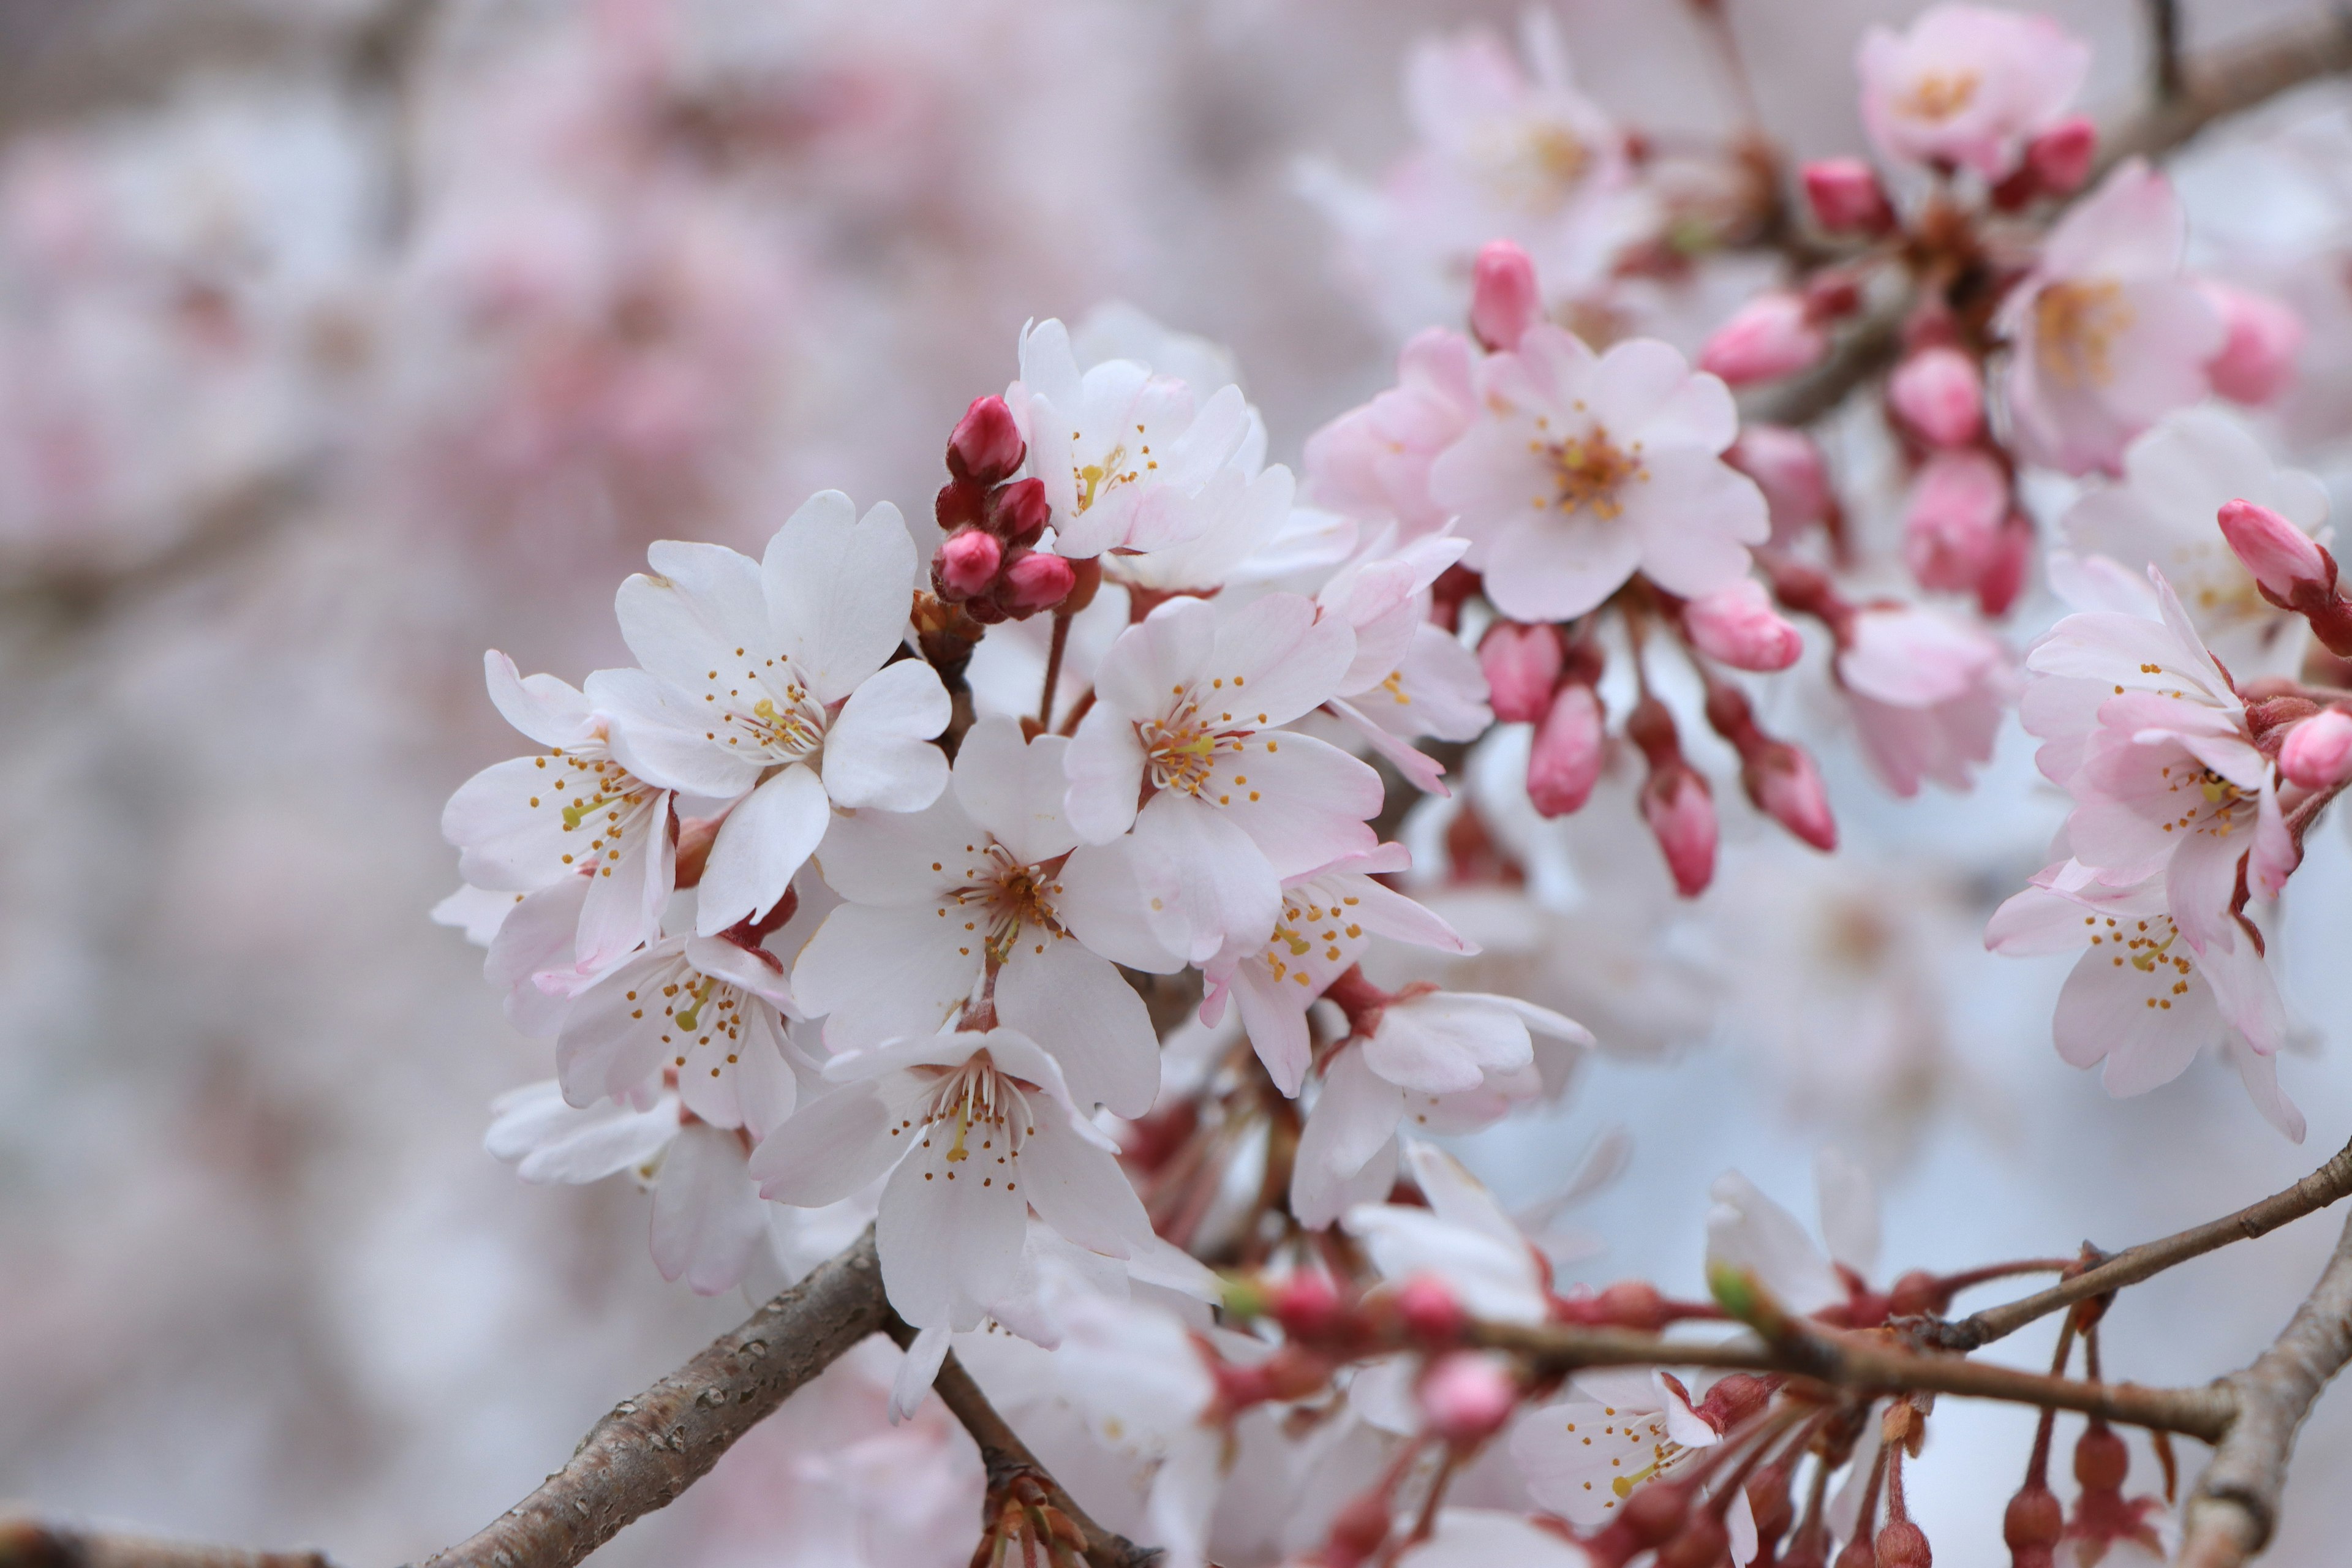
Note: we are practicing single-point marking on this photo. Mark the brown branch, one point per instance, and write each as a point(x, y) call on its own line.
point(2316, 1191)
point(2231, 1514)
point(1008, 1458)
point(1870, 1367)
point(654, 1447)
point(29, 1543)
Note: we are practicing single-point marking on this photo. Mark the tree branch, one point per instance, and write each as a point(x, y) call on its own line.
point(1867, 1366)
point(1008, 1458)
point(654, 1447)
point(2234, 1510)
point(2316, 1191)
point(28, 1543)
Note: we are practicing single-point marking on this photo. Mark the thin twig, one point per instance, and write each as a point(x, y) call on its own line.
point(29, 1543)
point(1053, 670)
point(2324, 1187)
point(652, 1447)
point(2234, 1510)
point(2164, 48)
point(1006, 1456)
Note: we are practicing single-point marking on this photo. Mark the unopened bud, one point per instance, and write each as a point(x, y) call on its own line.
point(2005, 574)
point(1306, 1305)
point(1783, 783)
point(2102, 1461)
point(1018, 513)
point(2257, 359)
point(1902, 1544)
point(1426, 1305)
point(1522, 665)
point(1681, 815)
point(1738, 625)
point(1358, 1529)
point(1466, 1397)
point(1702, 1543)
point(1846, 197)
point(2061, 157)
point(1771, 336)
point(1917, 1294)
point(1504, 298)
point(1565, 761)
point(1787, 467)
point(960, 504)
point(2282, 557)
point(1952, 522)
point(966, 564)
point(986, 448)
point(1939, 392)
point(2318, 752)
point(2032, 1526)
point(1634, 1304)
point(1036, 582)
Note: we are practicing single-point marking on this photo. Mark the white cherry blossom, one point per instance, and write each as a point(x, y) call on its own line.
point(1463, 1238)
point(1584, 1455)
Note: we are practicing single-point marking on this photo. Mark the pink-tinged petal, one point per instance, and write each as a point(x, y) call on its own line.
point(1089, 1020)
point(2131, 225)
point(833, 1145)
point(764, 840)
point(702, 603)
point(1100, 899)
point(1849, 1205)
point(1696, 517)
point(1105, 763)
point(2199, 882)
point(1274, 658)
point(476, 912)
point(876, 973)
point(1441, 1044)
point(2133, 1018)
point(2274, 854)
point(1304, 802)
point(2038, 922)
point(626, 896)
point(876, 858)
point(1382, 909)
point(1154, 659)
point(837, 589)
point(1420, 770)
point(919, 1369)
point(1204, 880)
point(542, 935)
point(654, 736)
point(878, 753)
point(2258, 1070)
point(1548, 566)
point(948, 1232)
point(508, 824)
point(1352, 1122)
point(1564, 1450)
point(1492, 482)
point(543, 708)
point(1079, 1190)
point(2246, 994)
point(551, 1141)
point(1015, 788)
point(767, 1090)
point(609, 1048)
point(1746, 1230)
point(946, 1049)
point(1461, 1199)
point(707, 1218)
point(1273, 1016)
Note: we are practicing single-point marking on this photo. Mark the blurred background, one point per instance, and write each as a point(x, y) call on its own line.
point(343, 339)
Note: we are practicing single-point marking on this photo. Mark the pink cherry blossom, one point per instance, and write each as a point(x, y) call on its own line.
point(1584, 469)
point(2262, 339)
point(1938, 392)
point(1373, 462)
point(1927, 691)
point(1771, 336)
point(2105, 334)
point(1952, 523)
point(2318, 752)
point(1787, 467)
point(1966, 86)
point(1738, 625)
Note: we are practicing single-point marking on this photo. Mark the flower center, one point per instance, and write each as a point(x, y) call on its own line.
point(1181, 749)
point(607, 804)
point(1940, 95)
point(2139, 945)
point(979, 1107)
point(697, 1010)
point(1013, 895)
point(1592, 471)
point(2078, 324)
point(1096, 480)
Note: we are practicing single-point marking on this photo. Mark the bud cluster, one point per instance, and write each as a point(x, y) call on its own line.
point(989, 562)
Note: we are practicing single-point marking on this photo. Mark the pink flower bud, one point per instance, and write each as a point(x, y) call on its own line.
point(1565, 761)
point(1681, 813)
point(1429, 1310)
point(1522, 665)
point(1466, 1397)
point(2318, 752)
point(2060, 158)
point(1951, 525)
point(1036, 582)
point(1787, 467)
point(2257, 359)
point(1738, 625)
point(2004, 572)
point(2281, 556)
point(1017, 513)
point(1787, 787)
point(1771, 336)
point(1306, 1305)
point(1846, 196)
point(986, 447)
point(966, 564)
point(1504, 298)
point(1939, 392)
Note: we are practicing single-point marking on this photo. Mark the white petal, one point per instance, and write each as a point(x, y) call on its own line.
point(1353, 1119)
point(949, 1233)
point(551, 1142)
point(1080, 1191)
point(707, 1219)
point(762, 842)
point(838, 589)
point(1100, 899)
point(875, 973)
point(833, 1145)
point(878, 753)
point(543, 708)
point(1849, 1210)
point(1014, 789)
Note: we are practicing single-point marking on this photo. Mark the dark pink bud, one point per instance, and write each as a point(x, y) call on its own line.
point(1565, 761)
point(1504, 300)
point(1846, 197)
point(1035, 582)
point(2282, 557)
point(1306, 1305)
point(1738, 625)
point(986, 448)
point(2005, 574)
point(1940, 394)
point(1429, 1312)
point(1681, 815)
point(1017, 513)
point(1787, 467)
point(2257, 359)
point(1952, 522)
point(2060, 158)
point(959, 505)
point(1772, 335)
point(966, 564)
point(1522, 665)
point(2318, 752)
point(1466, 1397)
point(1786, 786)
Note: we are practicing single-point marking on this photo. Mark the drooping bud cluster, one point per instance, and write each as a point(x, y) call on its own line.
point(989, 563)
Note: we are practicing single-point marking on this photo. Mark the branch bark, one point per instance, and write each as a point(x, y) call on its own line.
point(2331, 1181)
point(28, 1543)
point(652, 1447)
point(2234, 1510)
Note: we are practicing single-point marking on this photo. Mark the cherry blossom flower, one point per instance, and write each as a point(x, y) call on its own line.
point(1373, 462)
point(1409, 677)
point(932, 1111)
point(1188, 712)
point(574, 813)
point(2105, 334)
point(1968, 87)
point(1618, 1431)
point(1584, 469)
point(1927, 690)
point(701, 1012)
point(2176, 478)
point(770, 678)
point(986, 895)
